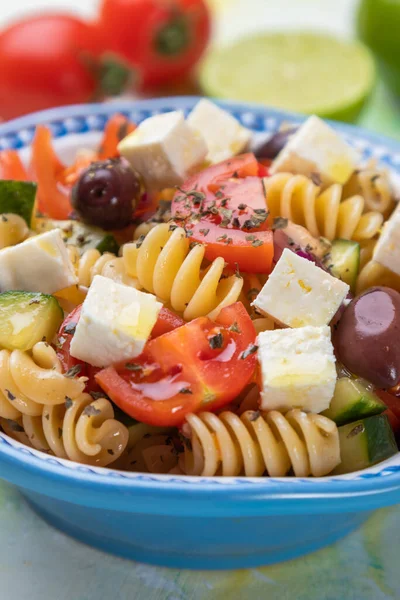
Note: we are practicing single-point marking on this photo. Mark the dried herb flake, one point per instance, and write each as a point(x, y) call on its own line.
point(249, 350)
point(216, 341)
point(279, 223)
point(10, 396)
point(133, 367)
point(70, 328)
point(356, 430)
point(91, 411)
point(97, 395)
point(316, 179)
point(256, 415)
point(235, 328)
point(73, 371)
point(15, 426)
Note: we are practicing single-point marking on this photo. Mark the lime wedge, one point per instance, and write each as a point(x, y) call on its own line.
point(303, 72)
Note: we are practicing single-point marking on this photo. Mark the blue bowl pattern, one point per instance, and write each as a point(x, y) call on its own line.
point(193, 522)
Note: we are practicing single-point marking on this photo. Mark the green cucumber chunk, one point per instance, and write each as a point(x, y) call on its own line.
point(344, 261)
point(365, 443)
point(18, 198)
point(353, 399)
point(84, 237)
point(27, 318)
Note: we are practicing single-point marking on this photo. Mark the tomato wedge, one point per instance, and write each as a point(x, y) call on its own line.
point(65, 335)
point(53, 196)
point(11, 166)
point(201, 365)
point(68, 362)
point(224, 207)
point(393, 408)
point(116, 129)
point(167, 321)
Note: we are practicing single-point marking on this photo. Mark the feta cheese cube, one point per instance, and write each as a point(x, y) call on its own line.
point(164, 149)
point(387, 249)
point(115, 323)
point(298, 293)
point(40, 264)
point(317, 148)
point(224, 135)
point(297, 368)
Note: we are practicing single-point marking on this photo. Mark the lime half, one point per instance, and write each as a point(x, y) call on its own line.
point(303, 72)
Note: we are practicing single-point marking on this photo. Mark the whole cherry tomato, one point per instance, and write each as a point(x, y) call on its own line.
point(162, 38)
point(52, 60)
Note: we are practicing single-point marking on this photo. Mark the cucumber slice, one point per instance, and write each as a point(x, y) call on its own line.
point(353, 399)
point(365, 443)
point(18, 198)
point(84, 237)
point(343, 261)
point(27, 318)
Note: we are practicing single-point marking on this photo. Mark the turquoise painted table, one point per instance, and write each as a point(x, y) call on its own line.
point(39, 563)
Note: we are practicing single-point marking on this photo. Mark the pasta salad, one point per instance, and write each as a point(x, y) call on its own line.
point(173, 302)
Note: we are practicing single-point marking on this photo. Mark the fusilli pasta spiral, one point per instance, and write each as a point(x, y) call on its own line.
point(15, 430)
point(154, 453)
point(27, 382)
point(255, 443)
point(252, 286)
point(372, 273)
point(93, 263)
point(83, 430)
point(166, 265)
point(326, 214)
point(373, 184)
point(13, 230)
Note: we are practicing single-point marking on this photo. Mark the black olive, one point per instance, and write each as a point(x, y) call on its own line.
point(366, 339)
point(272, 147)
point(107, 193)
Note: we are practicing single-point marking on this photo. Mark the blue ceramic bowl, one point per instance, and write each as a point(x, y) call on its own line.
point(194, 522)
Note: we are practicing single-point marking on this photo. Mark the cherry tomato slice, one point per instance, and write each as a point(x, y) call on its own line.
point(224, 207)
point(167, 321)
point(195, 366)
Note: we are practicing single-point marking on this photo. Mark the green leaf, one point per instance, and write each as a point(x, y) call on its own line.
point(18, 197)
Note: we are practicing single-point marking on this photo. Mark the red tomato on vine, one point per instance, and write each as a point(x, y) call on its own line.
point(164, 39)
point(54, 60)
